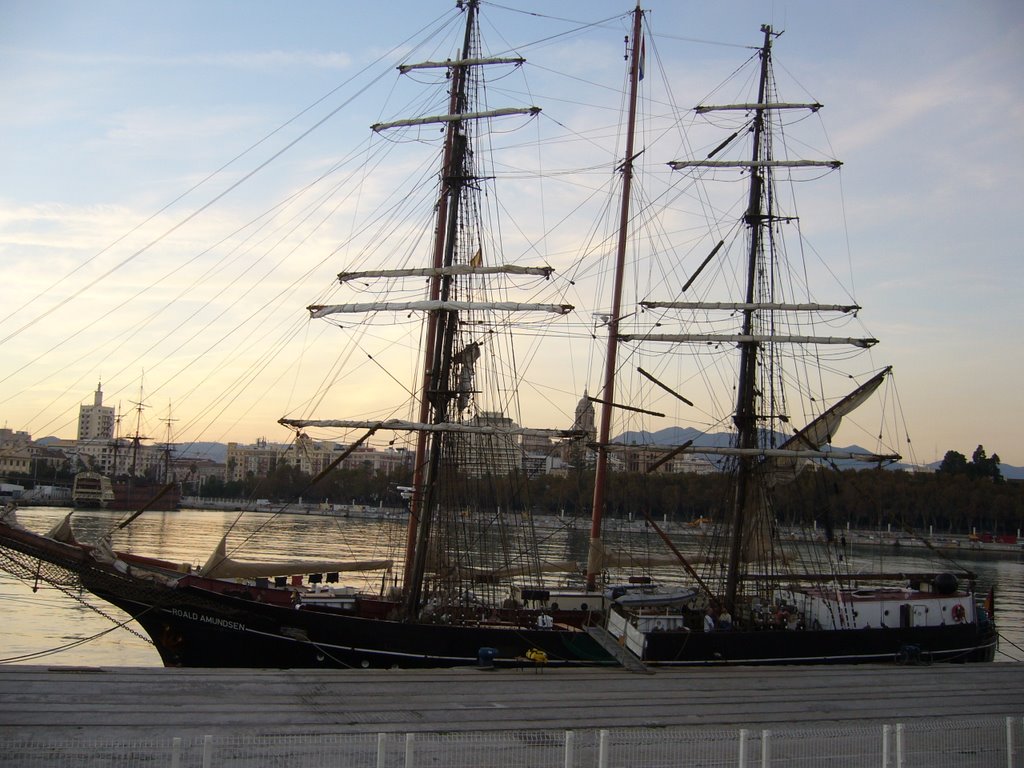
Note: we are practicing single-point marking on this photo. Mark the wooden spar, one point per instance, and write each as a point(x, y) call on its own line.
point(745, 417)
point(707, 260)
point(669, 456)
point(159, 495)
point(609, 404)
point(344, 455)
point(679, 555)
point(601, 473)
point(665, 387)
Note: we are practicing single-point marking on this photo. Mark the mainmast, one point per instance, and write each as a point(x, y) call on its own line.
point(441, 327)
point(430, 333)
point(446, 381)
point(604, 429)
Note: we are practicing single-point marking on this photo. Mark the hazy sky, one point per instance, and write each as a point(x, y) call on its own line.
point(112, 110)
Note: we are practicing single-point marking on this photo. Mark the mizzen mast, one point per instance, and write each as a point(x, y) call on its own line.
point(604, 429)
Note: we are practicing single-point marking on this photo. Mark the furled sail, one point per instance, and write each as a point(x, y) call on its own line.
point(427, 305)
point(220, 566)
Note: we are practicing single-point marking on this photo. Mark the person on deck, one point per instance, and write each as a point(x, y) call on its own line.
point(725, 620)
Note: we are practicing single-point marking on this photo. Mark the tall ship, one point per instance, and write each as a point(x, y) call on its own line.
point(469, 315)
point(136, 488)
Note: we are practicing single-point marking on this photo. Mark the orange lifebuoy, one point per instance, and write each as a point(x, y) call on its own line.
point(959, 614)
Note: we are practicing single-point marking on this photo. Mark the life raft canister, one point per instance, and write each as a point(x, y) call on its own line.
point(537, 656)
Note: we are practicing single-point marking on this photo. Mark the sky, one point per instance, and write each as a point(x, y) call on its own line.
point(138, 138)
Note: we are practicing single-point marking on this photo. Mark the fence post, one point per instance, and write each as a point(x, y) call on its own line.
point(743, 747)
point(886, 737)
point(899, 745)
point(1009, 742)
point(176, 752)
point(570, 744)
point(602, 749)
point(382, 742)
point(408, 750)
point(207, 751)
point(766, 749)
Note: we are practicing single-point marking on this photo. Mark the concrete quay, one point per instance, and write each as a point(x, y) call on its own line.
point(53, 703)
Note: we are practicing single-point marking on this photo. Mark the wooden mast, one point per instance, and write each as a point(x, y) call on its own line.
point(745, 417)
point(419, 466)
point(442, 328)
point(604, 430)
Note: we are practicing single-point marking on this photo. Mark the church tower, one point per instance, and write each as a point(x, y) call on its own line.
point(585, 420)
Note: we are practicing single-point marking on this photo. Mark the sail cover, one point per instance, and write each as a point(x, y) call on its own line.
point(220, 566)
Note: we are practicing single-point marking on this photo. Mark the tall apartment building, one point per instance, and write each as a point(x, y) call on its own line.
point(94, 443)
point(96, 421)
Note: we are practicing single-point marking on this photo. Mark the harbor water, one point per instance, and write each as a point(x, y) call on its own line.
point(45, 625)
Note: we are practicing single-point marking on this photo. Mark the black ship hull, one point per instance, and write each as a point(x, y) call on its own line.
point(195, 622)
point(193, 627)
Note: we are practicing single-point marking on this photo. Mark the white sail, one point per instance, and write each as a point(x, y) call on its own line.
point(820, 432)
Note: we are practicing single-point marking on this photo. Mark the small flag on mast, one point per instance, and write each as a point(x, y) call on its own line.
point(643, 56)
point(478, 258)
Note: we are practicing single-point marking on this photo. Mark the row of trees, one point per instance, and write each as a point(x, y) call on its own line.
point(953, 502)
point(869, 499)
point(980, 465)
point(960, 497)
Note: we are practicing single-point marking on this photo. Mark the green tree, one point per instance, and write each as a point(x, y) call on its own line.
point(953, 463)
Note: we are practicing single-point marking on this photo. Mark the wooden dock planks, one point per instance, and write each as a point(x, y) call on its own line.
point(70, 702)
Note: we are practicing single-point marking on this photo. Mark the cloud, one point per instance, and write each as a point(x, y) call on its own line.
point(268, 60)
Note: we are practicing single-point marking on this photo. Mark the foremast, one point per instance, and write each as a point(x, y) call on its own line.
point(594, 555)
point(446, 379)
point(439, 333)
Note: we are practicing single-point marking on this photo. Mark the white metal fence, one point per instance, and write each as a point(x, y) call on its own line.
point(962, 743)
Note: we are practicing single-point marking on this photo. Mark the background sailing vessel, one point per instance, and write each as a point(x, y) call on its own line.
point(456, 598)
point(124, 473)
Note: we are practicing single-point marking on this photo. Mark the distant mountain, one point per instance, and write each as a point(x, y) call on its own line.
point(680, 435)
point(217, 452)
